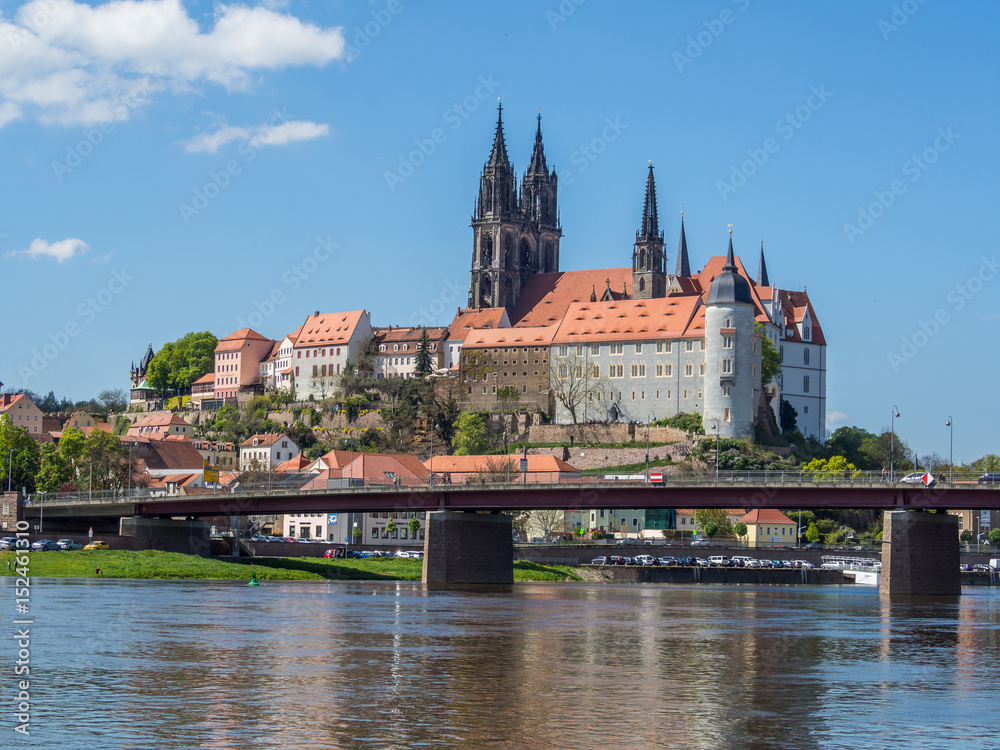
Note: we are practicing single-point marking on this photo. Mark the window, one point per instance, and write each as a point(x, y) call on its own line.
point(685, 393)
point(702, 344)
point(563, 350)
point(725, 414)
point(688, 370)
point(617, 348)
point(579, 350)
point(689, 346)
point(805, 356)
point(727, 342)
point(805, 384)
point(315, 370)
point(753, 346)
point(806, 332)
point(638, 347)
point(727, 367)
point(699, 393)
point(669, 370)
point(563, 372)
point(595, 349)
point(701, 369)
point(729, 322)
point(727, 390)
point(659, 371)
point(669, 347)
point(781, 354)
point(805, 409)
point(596, 371)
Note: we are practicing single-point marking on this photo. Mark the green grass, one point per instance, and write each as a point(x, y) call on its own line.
point(152, 564)
point(638, 468)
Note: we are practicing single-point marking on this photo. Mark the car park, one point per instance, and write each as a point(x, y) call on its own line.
point(97, 545)
point(44, 545)
point(69, 544)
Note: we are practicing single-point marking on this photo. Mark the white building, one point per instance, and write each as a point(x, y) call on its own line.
point(325, 345)
point(266, 451)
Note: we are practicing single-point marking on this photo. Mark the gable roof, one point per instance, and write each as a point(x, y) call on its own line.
point(375, 465)
point(328, 328)
point(265, 440)
point(537, 463)
point(477, 317)
point(627, 320)
point(160, 420)
point(539, 336)
point(546, 296)
point(766, 515)
point(237, 339)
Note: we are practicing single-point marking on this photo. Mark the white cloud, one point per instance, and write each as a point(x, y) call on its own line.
point(61, 251)
point(257, 137)
point(70, 63)
point(836, 417)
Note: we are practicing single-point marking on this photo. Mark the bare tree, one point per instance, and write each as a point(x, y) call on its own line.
point(547, 521)
point(575, 381)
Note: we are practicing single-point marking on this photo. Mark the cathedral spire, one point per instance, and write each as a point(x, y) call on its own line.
point(762, 279)
point(650, 224)
point(683, 266)
point(498, 156)
point(537, 165)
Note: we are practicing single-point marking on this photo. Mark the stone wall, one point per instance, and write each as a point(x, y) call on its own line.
point(11, 511)
point(604, 432)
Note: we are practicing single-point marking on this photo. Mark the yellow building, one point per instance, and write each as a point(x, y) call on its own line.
point(768, 527)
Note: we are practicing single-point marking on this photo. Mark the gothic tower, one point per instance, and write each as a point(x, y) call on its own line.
point(649, 278)
point(513, 236)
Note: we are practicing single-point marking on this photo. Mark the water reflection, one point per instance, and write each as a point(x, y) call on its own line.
point(329, 665)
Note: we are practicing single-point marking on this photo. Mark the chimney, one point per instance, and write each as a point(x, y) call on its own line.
point(316, 314)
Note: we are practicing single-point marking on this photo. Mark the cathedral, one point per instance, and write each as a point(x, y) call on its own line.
point(634, 343)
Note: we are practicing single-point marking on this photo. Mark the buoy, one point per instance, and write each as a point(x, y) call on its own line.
point(253, 579)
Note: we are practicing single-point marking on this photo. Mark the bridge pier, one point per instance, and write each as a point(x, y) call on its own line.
point(920, 554)
point(468, 548)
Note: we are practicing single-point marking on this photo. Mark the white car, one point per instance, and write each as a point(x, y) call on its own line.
point(803, 564)
point(69, 544)
point(916, 477)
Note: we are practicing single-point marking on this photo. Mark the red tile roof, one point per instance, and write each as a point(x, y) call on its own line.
point(628, 320)
point(328, 328)
point(473, 318)
point(546, 296)
point(237, 339)
point(489, 337)
point(766, 515)
point(540, 463)
point(262, 440)
point(373, 466)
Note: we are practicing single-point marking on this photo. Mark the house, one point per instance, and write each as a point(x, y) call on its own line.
point(266, 451)
point(160, 458)
point(396, 350)
point(685, 519)
point(158, 425)
point(507, 367)
point(467, 321)
point(81, 420)
point(237, 362)
point(203, 389)
point(339, 528)
point(23, 413)
point(276, 370)
point(768, 527)
point(325, 345)
point(542, 468)
point(217, 453)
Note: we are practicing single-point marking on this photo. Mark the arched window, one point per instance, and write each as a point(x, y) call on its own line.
point(526, 255)
point(549, 259)
point(486, 251)
point(805, 384)
point(805, 356)
point(485, 291)
point(642, 285)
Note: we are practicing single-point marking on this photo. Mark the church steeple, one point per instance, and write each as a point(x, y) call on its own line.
point(683, 266)
point(762, 279)
point(648, 261)
point(498, 156)
point(537, 165)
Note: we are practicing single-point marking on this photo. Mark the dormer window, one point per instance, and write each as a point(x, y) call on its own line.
point(395, 347)
point(806, 332)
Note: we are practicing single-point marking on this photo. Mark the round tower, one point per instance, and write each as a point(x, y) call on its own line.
point(732, 358)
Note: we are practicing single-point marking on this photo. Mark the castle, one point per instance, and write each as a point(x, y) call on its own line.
point(634, 343)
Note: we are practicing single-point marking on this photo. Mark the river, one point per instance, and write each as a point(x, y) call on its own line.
point(165, 664)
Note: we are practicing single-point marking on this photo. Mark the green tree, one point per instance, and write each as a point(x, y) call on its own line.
point(179, 363)
point(471, 436)
point(357, 535)
point(19, 456)
point(113, 401)
point(740, 529)
point(711, 529)
point(812, 533)
point(830, 470)
point(105, 462)
point(965, 537)
point(787, 417)
point(54, 471)
point(414, 524)
point(988, 463)
point(390, 526)
point(424, 364)
point(770, 357)
point(705, 516)
point(994, 536)
point(72, 443)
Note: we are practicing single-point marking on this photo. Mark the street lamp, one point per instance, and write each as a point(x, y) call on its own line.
point(716, 450)
point(649, 418)
point(892, 442)
point(951, 449)
point(430, 479)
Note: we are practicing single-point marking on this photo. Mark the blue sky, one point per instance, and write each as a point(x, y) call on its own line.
point(176, 166)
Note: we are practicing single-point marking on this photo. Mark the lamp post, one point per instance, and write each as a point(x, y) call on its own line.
point(951, 449)
point(716, 450)
point(430, 478)
point(892, 442)
point(130, 469)
point(649, 419)
point(90, 480)
point(10, 464)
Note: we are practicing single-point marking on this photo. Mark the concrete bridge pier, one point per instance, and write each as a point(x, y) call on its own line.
point(468, 548)
point(920, 554)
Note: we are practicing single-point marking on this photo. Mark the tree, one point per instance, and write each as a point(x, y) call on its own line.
point(711, 529)
point(740, 529)
point(576, 383)
point(71, 444)
point(988, 463)
point(812, 533)
point(179, 363)
point(107, 462)
point(113, 401)
point(423, 363)
point(414, 524)
point(54, 471)
point(787, 417)
point(19, 456)
point(965, 537)
point(706, 516)
point(471, 436)
point(770, 357)
point(357, 535)
point(830, 470)
point(390, 527)
point(545, 522)
point(994, 536)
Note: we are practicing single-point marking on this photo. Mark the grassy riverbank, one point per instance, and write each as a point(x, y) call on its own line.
point(171, 565)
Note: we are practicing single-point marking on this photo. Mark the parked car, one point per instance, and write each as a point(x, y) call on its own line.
point(669, 561)
point(335, 552)
point(45, 545)
point(964, 568)
point(8, 542)
point(719, 561)
point(97, 545)
point(990, 478)
point(599, 561)
point(802, 564)
point(742, 561)
point(645, 560)
point(981, 567)
point(699, 543)
point(69, 544)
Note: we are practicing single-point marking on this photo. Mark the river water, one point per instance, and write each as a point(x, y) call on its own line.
point(163, 664)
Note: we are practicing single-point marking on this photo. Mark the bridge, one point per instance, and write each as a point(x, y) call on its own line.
point(920, 550)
